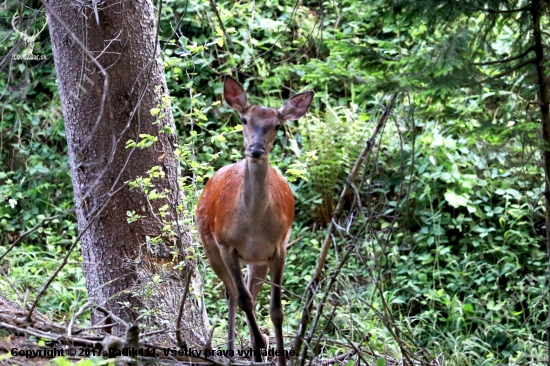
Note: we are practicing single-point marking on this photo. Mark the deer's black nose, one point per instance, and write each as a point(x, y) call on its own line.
point(256, 150)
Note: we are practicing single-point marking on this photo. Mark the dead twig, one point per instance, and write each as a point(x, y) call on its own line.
point(63, 263)
point(215, 9)
point(76, 315)
point(314, 283)
point(25, 233)
point(109, 315)
point(181, 342)
point(338, 359)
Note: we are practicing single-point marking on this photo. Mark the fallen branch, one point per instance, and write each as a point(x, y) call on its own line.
point(338, 359)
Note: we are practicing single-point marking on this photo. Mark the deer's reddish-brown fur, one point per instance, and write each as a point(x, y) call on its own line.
point(222, 193)
point(245, 215)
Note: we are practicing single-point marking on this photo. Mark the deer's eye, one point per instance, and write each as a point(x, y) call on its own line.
point(277, 127)
point(243, 120)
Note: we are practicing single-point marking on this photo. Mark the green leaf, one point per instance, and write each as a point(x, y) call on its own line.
point(455, 200)
point(514, 193)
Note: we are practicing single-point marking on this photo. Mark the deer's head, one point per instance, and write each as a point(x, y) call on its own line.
point(260, 124)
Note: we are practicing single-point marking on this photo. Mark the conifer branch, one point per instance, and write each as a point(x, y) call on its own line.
point(506, 11)
point(510, 70)
point(521, 55)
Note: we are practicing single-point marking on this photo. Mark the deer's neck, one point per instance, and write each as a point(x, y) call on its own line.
point(255, 191)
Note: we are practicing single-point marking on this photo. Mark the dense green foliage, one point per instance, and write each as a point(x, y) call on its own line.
point(35, 183)
point(447, 249)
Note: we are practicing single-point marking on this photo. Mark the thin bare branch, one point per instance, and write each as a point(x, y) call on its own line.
point(215, 9)
point(90, 55)
point(314, 283)
point(64, 262)
point(181, 341)
point(513, 58)
point(508, 71)
point(505, 11)
point(76, 315)
point(25, 233)
point(109, 314)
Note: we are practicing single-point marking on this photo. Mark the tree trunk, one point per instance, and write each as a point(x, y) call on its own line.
point(125, 270)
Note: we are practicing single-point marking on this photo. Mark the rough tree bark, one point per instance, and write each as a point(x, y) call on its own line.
point(124, 270)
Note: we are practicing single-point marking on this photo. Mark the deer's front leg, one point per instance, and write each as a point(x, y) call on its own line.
point(244, 298)
point(276, 268)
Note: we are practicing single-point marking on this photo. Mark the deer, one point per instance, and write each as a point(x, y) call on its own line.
point(245, 215)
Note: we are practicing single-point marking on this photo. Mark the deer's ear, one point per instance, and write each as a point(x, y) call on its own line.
point(297, 106)
point(234, 94)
